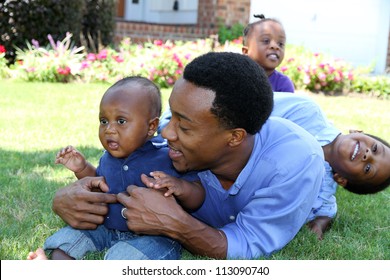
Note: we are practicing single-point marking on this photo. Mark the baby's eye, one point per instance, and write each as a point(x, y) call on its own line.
point(103, 121)
point(367, 168)
point(281, 44)
point(375, 148)
point(122, 121)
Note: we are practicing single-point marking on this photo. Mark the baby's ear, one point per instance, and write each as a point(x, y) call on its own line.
point(153, 125)
point(340, 179)
point(355, 131)
point(244, 50)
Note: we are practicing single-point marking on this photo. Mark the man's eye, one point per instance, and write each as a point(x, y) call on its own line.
point(122, 121)
point(182, 128)
point(367, 168)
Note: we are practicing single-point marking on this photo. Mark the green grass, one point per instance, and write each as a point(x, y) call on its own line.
point(37, 119)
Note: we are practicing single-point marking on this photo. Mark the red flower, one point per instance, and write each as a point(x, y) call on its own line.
point(2, 49)
point(63, 71)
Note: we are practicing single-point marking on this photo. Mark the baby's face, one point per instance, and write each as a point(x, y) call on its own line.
point(124, 121)
point(266, 45)
point(362, 159)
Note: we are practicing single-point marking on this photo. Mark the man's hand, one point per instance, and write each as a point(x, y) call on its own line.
point(83, 204)
point(148, 211)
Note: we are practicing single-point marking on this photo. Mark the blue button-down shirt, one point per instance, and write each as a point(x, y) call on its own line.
point(272, 196)
point(306, 113)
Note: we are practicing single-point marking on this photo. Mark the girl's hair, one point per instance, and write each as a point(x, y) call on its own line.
point(248, 29)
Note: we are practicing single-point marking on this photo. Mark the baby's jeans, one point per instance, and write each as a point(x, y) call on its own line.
point(120, 245)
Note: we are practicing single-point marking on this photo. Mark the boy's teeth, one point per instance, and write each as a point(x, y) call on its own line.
point(355, 151)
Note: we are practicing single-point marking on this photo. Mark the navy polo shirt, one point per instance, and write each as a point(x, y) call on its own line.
point(120, 173)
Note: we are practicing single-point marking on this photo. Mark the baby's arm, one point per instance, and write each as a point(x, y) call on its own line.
point(75, 161)
point(189, 194)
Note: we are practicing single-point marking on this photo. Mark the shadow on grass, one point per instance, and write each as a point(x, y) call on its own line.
point(28, 182)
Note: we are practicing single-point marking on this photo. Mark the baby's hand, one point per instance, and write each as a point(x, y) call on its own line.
point(71, 158)
point(161, 180)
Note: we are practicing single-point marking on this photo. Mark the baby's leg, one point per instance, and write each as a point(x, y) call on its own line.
point(39, 254)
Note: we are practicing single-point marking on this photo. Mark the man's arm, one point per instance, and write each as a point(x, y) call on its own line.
point(149, 212)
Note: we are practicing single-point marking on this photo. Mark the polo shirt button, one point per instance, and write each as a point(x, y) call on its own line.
point(125, 167)
point(232, 218)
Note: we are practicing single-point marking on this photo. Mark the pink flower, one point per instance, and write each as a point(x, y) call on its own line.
point(102, 54)
point(91, 57)
point(306, 80)
point(118, 58)
point(322, 77)
point(63, 71)
point(284, 68)
point(2, 49)
point(291, 59)
point(84, 64)
point(158, 42)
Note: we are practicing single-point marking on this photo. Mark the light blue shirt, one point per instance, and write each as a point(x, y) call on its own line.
point(272, 196)
point(306, 113)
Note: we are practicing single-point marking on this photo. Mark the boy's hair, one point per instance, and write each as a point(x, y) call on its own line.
point(369, 188)
point(150, 88)
point(249, 28)
point(243, 94)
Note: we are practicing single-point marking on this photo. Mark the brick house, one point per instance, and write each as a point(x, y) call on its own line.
point(177, 19)
point(143, 20)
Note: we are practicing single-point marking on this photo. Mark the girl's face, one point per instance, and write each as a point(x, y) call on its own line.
point(362, 159)
point(125, 120)
point(266, 44)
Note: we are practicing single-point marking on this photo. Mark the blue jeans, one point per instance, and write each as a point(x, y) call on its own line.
point(120, 245)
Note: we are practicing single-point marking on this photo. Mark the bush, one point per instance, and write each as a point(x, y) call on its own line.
point(98, 23)
point(23, 21)
point(378, 86)
point(316, 71)
point(229, 33)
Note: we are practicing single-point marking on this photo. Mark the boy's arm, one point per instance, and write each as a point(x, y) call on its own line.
point(189, 194)
point(75, 161)
point(88, 171)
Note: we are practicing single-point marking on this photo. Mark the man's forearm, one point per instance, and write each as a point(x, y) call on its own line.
point(200, 239)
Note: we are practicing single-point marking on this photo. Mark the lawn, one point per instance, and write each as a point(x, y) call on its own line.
point(37, 119)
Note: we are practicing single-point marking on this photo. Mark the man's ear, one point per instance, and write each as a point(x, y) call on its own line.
point(153, 125)
point(244, 50)
point(340, 179)
point(237, 136)
point(355, 131)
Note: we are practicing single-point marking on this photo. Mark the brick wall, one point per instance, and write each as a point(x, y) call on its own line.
point(209, 11)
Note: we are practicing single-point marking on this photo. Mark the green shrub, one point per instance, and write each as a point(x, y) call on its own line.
point(23, 21)
point(378, 86)
point(229, 33)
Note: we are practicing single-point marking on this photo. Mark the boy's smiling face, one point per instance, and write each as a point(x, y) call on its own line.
point(361, 159)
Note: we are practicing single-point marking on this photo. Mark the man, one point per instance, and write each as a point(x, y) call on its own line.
point(261, 175)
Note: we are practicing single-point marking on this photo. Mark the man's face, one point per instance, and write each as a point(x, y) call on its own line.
point(362, 159)
point(195, 137)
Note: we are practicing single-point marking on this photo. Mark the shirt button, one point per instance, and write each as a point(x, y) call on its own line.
point(232, 218)
point(125, 167)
